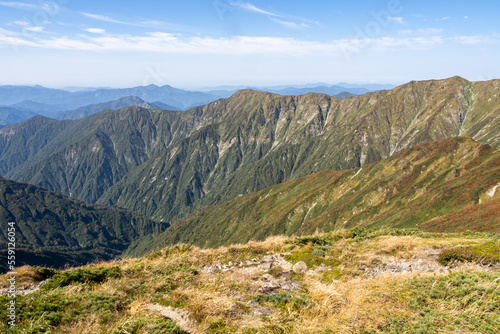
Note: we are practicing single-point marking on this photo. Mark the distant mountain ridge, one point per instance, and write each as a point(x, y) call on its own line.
point(11, 115)
point(64, 100)
point(129, 101)
point(78, 103)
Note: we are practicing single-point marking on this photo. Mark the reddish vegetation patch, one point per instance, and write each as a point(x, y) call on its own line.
point(482, 218)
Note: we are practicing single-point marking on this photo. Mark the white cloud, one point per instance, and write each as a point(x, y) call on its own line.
point(473, 40)
point(95, 30)
point(238, 45)
point(6, 32)
point(284, 23)
point(420, 32)
point(104, 18)
point(19, 5)
point(466, 17)
point(144, 23)
point(252, 8)
point(271, 16)
point(396, 19)
point(35, 29)
point(446, 18)
point(49, 8)
point(20, 23)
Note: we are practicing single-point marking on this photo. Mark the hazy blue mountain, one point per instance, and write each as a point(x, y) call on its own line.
point(164, 106)
point(178, 98)
point(329, 90)
point(370, 87)
point(10, 95)
point(43, 100)
point(12, 115)
point(74, 89)
point(129, 101)
point(38, 108)
point(338, 91)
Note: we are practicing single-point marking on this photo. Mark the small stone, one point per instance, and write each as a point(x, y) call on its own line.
point(263, 311)
point(265, 266)
point(300, 267)
point(269, 287)
point(267, 258)
point(290, 287)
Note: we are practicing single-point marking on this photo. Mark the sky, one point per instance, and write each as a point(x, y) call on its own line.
point(195, 44)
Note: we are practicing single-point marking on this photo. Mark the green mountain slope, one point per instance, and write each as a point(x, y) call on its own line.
point(409, 189)
point(83, 158)
point(165, 164)
point(54, 230)
point(261, 139)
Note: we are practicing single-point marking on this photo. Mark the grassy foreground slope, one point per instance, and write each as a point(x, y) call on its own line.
point(422, 187)
point(54, 230)
point(326, 283)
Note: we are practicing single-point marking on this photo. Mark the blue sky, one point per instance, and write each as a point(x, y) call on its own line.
point(201, 43)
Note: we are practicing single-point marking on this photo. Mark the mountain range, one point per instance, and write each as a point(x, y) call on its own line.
point(18, 103)
point(129, 101)
point(61, 100)
point(167, 164)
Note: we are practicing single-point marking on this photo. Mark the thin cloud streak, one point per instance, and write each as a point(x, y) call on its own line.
point(19, 5)
point(166, 43)
point(396, 19)
point(143, 24)
point(252, 8)
point(104, 18)
point(474, 40)
point(274, 17)
point(284, 23)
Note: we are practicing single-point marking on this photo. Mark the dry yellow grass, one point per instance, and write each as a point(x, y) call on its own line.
point(221, 301)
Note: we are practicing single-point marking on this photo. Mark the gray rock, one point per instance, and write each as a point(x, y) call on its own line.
point(300, 267)
point(290, 287)
point(269, 287)
point(265, 266)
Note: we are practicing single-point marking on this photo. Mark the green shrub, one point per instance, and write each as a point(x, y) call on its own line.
point(282, 299)
point(148, 325)
point(217, 326)
point(44, 273)
point(458, 302)
point(313, 240)
point(488, 252)
point(459, 254)
point(87, 275)
point(319, 251)
point(312, 258)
